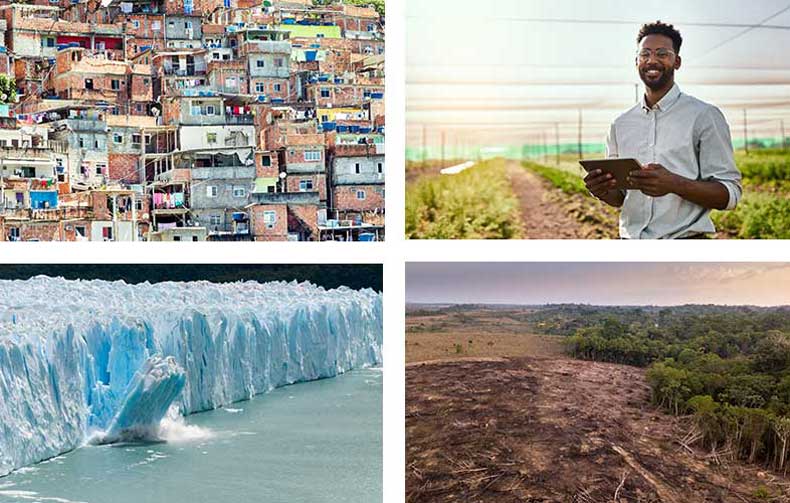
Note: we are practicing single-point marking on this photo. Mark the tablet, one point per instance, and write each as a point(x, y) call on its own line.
point(619, 168)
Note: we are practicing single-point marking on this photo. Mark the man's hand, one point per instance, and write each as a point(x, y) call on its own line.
point(655, 180)
point(601, 185)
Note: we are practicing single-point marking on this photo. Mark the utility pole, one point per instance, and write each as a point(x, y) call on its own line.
point(545, 148)
point(580, 135)
point(745, 132)
point(557, 141)
point(424, 148)
point(442, 165)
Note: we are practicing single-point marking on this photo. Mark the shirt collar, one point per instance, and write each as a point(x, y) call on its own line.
point(664, 103)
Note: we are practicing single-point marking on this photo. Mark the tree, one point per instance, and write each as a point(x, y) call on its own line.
point(7, 89)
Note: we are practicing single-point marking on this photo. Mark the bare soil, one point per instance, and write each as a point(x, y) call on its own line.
point(515, 421)
point(549, 213)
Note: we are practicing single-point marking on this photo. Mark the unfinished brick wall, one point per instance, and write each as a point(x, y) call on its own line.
point(319, 184)
point(344, 197)
point(307, 216)
point(124, 167)
point(259, 230)
point(271, 171)
point(40, 231)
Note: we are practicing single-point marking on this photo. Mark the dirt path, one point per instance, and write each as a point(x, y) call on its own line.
point(554, 430)
point(547, 213)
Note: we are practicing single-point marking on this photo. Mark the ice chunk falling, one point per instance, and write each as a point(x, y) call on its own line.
point(81, 359)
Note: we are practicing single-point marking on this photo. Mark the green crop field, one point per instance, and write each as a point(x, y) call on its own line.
point(475, 204)
point(764, 210)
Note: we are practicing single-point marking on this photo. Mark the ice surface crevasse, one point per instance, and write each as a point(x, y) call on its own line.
point(79, 358)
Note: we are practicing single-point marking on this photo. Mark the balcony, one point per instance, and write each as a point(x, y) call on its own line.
point(240, 120)
point(284, 198)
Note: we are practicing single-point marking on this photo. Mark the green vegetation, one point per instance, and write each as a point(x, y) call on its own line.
point(566, 181)
point(7, 89)
point(477, 203)
point(728, 367)
point(764, 211)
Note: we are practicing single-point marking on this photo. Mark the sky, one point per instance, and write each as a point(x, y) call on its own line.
point(666, 284)
point(507, 71)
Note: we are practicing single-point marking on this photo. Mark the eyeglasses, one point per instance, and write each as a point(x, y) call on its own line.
point(662, 54)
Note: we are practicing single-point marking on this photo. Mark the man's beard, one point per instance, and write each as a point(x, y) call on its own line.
point(667, 74)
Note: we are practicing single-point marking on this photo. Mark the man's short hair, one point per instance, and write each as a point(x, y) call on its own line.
point(659, 28)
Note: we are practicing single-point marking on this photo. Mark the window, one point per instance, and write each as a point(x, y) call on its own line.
point(136, 139)
point(80, 231)
point(136, 23)
point(139, 108)
point(211, 137)
point(194, 238)
point(81, 142)
point(278, 62)
point(259, 87)
point(239, 192)
point(106, 233)
point(146, 81)
point(215, 220)
point(266, 160)
point(325, 92)
point(115, 84)
point(312, 155)
point(101, 169)
point(96, 143)
point(371, 27)
point(48, 42)
point(324, 118)
point(361, 195)
point(115, 111)
point(269, 219)
point(117, 138)
point(176, 238)
point(381, 167)
point(88, 83)
point(211, 191)
point(277, 88)
point(210, 110)
point(259, 63)
point(305, 185)
point(357, 168)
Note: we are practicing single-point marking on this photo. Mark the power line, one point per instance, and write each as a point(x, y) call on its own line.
point(742, 33)
point(618, 22)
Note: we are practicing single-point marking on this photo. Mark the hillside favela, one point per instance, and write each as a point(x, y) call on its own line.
point(191, 120)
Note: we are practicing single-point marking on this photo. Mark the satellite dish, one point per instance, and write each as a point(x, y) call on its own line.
point(283, 175)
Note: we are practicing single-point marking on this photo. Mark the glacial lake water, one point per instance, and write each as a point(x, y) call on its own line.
point(310, 442)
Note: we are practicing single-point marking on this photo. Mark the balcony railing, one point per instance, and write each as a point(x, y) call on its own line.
point(240, 120)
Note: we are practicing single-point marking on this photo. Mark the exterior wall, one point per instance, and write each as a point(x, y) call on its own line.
point(344, 170)
point(344, 198)
point(274, 65)
point(319, 184)
point(225, 199)
point(184, 28)
point(260, 232)
point(307, 217)
point(295, 161)
point(269, 87)
point(124, 168)
point(196, 137)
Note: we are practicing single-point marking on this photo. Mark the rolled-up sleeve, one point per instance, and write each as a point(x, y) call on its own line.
point(716, 158)
point(611, 143)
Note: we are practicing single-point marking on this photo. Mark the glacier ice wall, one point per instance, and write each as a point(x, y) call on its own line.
point(79, 358)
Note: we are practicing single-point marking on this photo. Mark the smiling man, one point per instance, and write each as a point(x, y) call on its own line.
point(684, 147)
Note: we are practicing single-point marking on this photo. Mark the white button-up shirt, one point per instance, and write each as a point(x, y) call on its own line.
point(688, 137)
